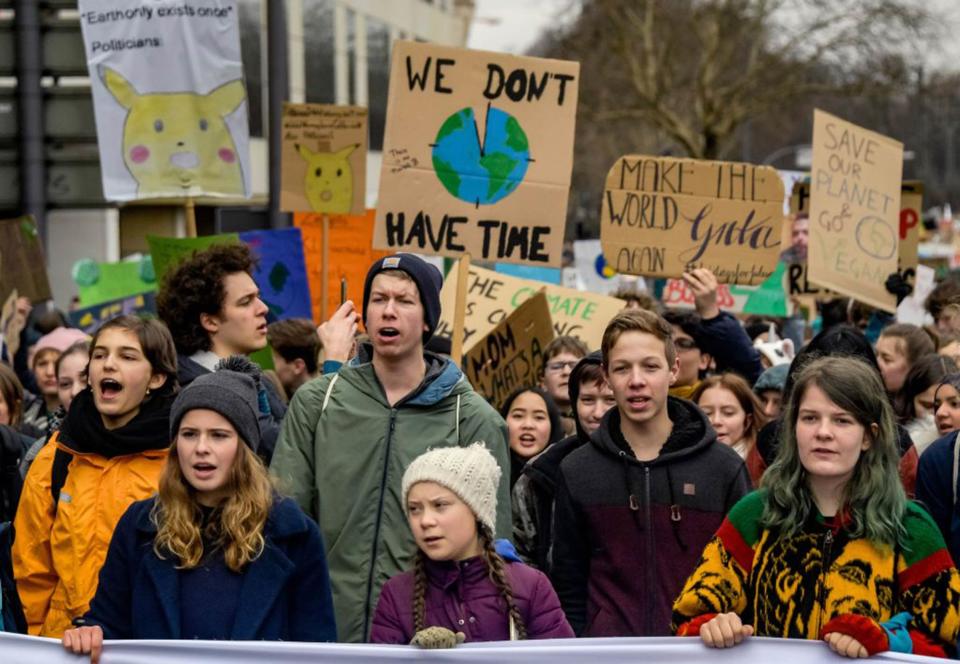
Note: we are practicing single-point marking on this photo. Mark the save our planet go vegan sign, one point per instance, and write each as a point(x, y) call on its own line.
point(477, 154)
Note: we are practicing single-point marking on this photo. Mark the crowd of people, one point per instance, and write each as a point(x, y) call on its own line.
point(692, 476)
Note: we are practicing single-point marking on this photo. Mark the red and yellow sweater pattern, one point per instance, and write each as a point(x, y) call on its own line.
point(822, 580)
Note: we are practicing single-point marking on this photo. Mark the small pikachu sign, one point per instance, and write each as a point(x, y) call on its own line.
point(324, 158)
point(169, 98)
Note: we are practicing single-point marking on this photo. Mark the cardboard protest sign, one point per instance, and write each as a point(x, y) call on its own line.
point(767, 299)
point(662, 216)
point(491, 296)
point(22, 266)
point(90, 318)
point(911, 216)
point(167, 252)
point(351, 255)
point(169, 97)
point(511, 355)
point(323, 161)
point(10, 325)
point(477, 154)
point(854, 210)
point(115, 281)
point(281, 271)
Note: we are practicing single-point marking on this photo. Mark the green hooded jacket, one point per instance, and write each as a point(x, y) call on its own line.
point(341, 455)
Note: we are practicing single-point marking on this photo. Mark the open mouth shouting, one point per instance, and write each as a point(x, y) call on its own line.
point(638, 403)
point(109, 389)
point(527, 440)
point(388, 334)
point(203, 470)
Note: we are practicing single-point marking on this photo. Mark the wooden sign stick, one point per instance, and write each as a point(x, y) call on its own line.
point(191, 215)
point(325, 275)
point(460, 309)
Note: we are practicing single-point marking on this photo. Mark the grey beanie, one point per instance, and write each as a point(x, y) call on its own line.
point(470, 472)
point(232, 390)
point(774, 378)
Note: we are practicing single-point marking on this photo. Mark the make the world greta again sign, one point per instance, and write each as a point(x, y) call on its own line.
point(477, 154)
point(663, 216)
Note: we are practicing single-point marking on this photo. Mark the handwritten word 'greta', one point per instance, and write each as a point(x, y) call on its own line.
point(748, 233)
point(518, 84)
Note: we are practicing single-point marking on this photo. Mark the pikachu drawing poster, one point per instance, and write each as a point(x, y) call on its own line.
point(324, 158)
point(169, 97)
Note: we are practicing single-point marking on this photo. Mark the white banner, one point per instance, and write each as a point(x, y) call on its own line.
point(169, 97)
point(670, 650)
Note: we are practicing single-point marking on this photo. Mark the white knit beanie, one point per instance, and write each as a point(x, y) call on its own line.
point(470, 472)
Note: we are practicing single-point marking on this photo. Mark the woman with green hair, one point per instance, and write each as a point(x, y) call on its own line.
point(829, 548)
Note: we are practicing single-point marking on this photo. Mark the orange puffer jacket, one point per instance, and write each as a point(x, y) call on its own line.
point(57, 555)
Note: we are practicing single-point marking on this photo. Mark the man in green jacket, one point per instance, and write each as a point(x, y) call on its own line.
point(348, 437)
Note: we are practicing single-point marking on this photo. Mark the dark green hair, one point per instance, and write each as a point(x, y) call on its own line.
point(874, 495)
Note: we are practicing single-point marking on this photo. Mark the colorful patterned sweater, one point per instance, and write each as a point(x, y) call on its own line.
point(783, 587)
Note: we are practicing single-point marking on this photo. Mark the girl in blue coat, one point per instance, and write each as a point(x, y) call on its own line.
point(216, 554)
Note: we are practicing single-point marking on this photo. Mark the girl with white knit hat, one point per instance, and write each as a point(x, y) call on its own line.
point(461, 589)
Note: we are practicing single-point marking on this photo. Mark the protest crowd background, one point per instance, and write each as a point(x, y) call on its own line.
point(477, 346)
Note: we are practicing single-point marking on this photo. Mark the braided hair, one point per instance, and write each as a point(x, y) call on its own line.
point(496, 568)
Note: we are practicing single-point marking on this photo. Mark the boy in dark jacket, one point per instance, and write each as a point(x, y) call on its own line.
point(534, 492)
point(636, 506)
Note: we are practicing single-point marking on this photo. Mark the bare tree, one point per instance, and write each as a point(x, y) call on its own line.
point(696, 70)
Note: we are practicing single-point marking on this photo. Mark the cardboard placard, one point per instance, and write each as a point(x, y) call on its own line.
point(90, 318)
point(477, 155)
point(662, 216)
point(854, 210)
point(281, 271)
point(323, 161)
point(511, 355)
point(168, 252)
point(22, 266)
point(10, 325)
point(169, 97)
point(911, 217)
point(491, 296)
point(351, 256)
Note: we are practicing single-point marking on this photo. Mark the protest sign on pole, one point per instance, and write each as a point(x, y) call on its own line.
point(477, 154)
point(351, 255)
point(491, 296)
point(854, 210)
point(22, 266)
point(323, 161)
point(169, 98)
point(281, 271)
point(511, 355)
point(662, 216)
point(911, 217)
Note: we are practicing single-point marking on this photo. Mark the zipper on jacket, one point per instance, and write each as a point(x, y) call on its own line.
point(824, 568)
point(376, 527)
point(651, 564)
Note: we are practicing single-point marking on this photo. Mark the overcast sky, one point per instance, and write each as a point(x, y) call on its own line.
point(512, 26)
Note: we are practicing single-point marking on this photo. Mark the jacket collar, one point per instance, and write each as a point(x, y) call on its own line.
point(281, 522)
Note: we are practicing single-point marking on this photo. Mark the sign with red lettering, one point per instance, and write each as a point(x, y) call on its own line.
point(662, 216)
point(477, 154)
point(854, 210)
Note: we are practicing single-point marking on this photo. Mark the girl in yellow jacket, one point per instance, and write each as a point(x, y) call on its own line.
point(107, 454)
point(829, 548)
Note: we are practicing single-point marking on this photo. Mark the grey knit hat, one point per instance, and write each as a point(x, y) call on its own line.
point(470, 472)
point(232, 390)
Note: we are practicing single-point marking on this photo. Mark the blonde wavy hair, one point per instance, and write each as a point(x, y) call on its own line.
point(239, 521)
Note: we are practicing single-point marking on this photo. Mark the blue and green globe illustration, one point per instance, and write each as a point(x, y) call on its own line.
point(481, 170)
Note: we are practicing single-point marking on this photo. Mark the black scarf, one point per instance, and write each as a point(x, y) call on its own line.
point(83, 428)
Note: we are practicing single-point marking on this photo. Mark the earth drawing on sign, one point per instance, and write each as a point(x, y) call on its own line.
point(481, 170)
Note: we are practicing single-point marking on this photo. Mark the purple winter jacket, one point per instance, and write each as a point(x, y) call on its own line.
point(461, 597)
